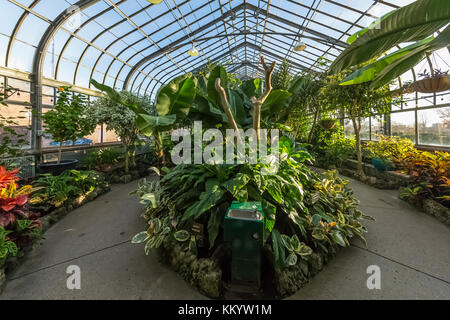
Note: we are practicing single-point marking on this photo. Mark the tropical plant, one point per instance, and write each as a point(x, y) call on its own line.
point(428, 171)
point(416, 22)
point(7, 247)
point(121, 120)
point(21, 225)
point(389, 148)
point(172, 105)
point(55, 191)
point(318, 211)
point(100, 158)
point(358, 102)
point(68, 120)
point(332, 147)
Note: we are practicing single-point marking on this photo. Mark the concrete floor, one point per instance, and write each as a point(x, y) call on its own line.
point(411, 248)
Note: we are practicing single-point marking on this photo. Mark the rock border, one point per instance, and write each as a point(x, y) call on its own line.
point(203, 274)
point(432, 208)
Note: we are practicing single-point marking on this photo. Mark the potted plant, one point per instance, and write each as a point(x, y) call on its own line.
point(437, 81)
point(66, 122)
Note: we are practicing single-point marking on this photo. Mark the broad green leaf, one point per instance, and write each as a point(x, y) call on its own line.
point(269, 211)
point(182, 236)
point(413, 22)
point(217, 72)
point(214, 225)
point(252, 88)
point(291, 259)
point(373, 25)
point(275, 102)
point(236, 184)
point(338, 238)
point(177, 96)
point(304, 250)
point(278, 249)
point(140, 238)
point(368, 73)
point(295, 243)
point(237, 106)
point(287, 242)
point(411, 59)
point(208, 199)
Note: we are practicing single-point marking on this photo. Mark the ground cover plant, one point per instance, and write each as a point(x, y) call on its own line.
point(59, 191)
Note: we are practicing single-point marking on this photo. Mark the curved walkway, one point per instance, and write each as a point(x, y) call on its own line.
point(411, 248)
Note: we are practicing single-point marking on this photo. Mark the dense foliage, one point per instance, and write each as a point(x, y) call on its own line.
point(316, 212)
point(58, 191)
point(120, 120)
point(18, 225)
point(68, 121)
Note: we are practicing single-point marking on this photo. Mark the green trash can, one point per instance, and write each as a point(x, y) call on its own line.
point(244, 229)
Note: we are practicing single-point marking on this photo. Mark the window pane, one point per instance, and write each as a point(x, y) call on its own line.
point(434, 126)
point(403, 125)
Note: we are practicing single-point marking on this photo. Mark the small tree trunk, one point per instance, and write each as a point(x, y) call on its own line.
point(127, 161)
point(60, 152)
point(357, 128)
point(316, 117)
point(160, 150)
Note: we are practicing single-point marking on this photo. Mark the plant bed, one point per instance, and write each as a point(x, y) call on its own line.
point(428, 205)
point(298, 244)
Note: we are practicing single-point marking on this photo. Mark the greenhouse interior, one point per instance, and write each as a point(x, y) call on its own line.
point(225, 150)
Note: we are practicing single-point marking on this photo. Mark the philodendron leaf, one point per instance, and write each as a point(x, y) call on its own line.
point(295, 243)
point(278, 249)
point(269, 211)
point(214, 225)
point(208, 199)
point(291, 259)
point(304, 250)
point(287, 242)
point(182, 236)
point(140, 238)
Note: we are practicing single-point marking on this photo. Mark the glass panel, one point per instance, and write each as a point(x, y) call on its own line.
point(434, 126)
point(403, 125)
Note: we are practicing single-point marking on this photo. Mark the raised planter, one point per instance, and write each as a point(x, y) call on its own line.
point(433, 208)
point(56, 169)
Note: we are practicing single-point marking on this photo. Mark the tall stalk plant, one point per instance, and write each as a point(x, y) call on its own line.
point(358, 102)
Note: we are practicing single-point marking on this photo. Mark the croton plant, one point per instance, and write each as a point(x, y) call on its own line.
point(17, 224)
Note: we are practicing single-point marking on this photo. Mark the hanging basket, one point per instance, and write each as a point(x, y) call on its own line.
point(431, 85)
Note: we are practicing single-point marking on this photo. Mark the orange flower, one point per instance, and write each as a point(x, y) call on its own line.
point(60, 89)
point(332, 224)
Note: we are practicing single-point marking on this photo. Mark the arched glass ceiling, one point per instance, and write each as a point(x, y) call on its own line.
point(137, 45)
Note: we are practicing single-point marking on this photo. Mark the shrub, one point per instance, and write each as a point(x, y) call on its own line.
point(332, 147)
point(389, 148)
point(68, 121)
point(18, 224)
point(429, 173)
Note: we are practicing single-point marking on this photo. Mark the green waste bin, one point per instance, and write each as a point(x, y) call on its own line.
point(244, 229)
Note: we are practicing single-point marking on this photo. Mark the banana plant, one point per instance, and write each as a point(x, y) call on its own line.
point(172, 104)
point(416, 22)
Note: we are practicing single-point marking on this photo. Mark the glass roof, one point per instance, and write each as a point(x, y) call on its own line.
point(136, 45)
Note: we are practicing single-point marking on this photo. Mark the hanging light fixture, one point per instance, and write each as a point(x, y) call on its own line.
point(155, 1)
point(300, 46)
point(193, 52)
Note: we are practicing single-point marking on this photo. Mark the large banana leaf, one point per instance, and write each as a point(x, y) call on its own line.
point(177, 96)
point(275, 102)
point(144, 122)
point(411, 59)
point(373, 25)
point(217, 72)
point(252, 88)
point(413, 22)
point(369, 72)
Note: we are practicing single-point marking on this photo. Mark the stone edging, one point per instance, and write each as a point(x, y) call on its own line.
point(433, 208)
point(203, 274)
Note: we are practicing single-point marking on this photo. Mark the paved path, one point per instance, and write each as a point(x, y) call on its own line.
point(411, 248)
